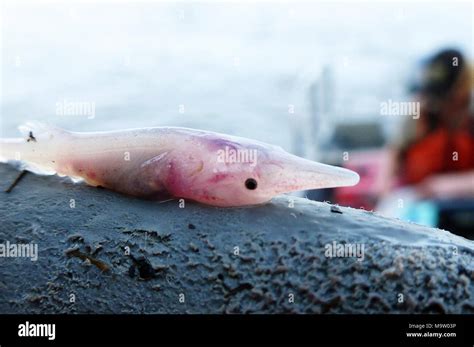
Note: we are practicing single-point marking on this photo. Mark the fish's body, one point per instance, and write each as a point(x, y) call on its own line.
point(167, 162)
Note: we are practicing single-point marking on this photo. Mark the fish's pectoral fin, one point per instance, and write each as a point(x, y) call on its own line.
point(155, 159)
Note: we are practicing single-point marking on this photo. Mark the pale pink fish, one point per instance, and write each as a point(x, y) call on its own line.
point(169, 162)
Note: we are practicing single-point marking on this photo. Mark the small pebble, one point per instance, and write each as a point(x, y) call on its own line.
point(193, 247)
point(76, 238)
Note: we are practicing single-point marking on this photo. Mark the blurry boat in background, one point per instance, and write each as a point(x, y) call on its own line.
point(361, 148)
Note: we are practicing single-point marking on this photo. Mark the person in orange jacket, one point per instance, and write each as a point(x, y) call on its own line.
point(435, 153)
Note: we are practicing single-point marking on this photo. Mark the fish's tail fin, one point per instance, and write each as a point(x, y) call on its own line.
point(34, 147)
point(34, 131)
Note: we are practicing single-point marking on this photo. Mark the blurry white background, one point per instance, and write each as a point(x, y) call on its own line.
point(239, 68)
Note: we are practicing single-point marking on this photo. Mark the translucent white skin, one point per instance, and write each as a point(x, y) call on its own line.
point(162, 163)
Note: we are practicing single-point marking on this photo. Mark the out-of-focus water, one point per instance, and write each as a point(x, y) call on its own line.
point(242, 69)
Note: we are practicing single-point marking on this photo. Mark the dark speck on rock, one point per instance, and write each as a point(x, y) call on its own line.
point(76, 238)
point(131, 270)
point(145, 269)
point(97, 249)
point(191, 226)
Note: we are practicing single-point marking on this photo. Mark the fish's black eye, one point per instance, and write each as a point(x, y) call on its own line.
point(250, 184)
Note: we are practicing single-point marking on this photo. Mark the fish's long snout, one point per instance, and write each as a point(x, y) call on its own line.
point(303, 174)
point(334, 176)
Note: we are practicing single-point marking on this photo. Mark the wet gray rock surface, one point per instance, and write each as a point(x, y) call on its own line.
point(188, 254)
